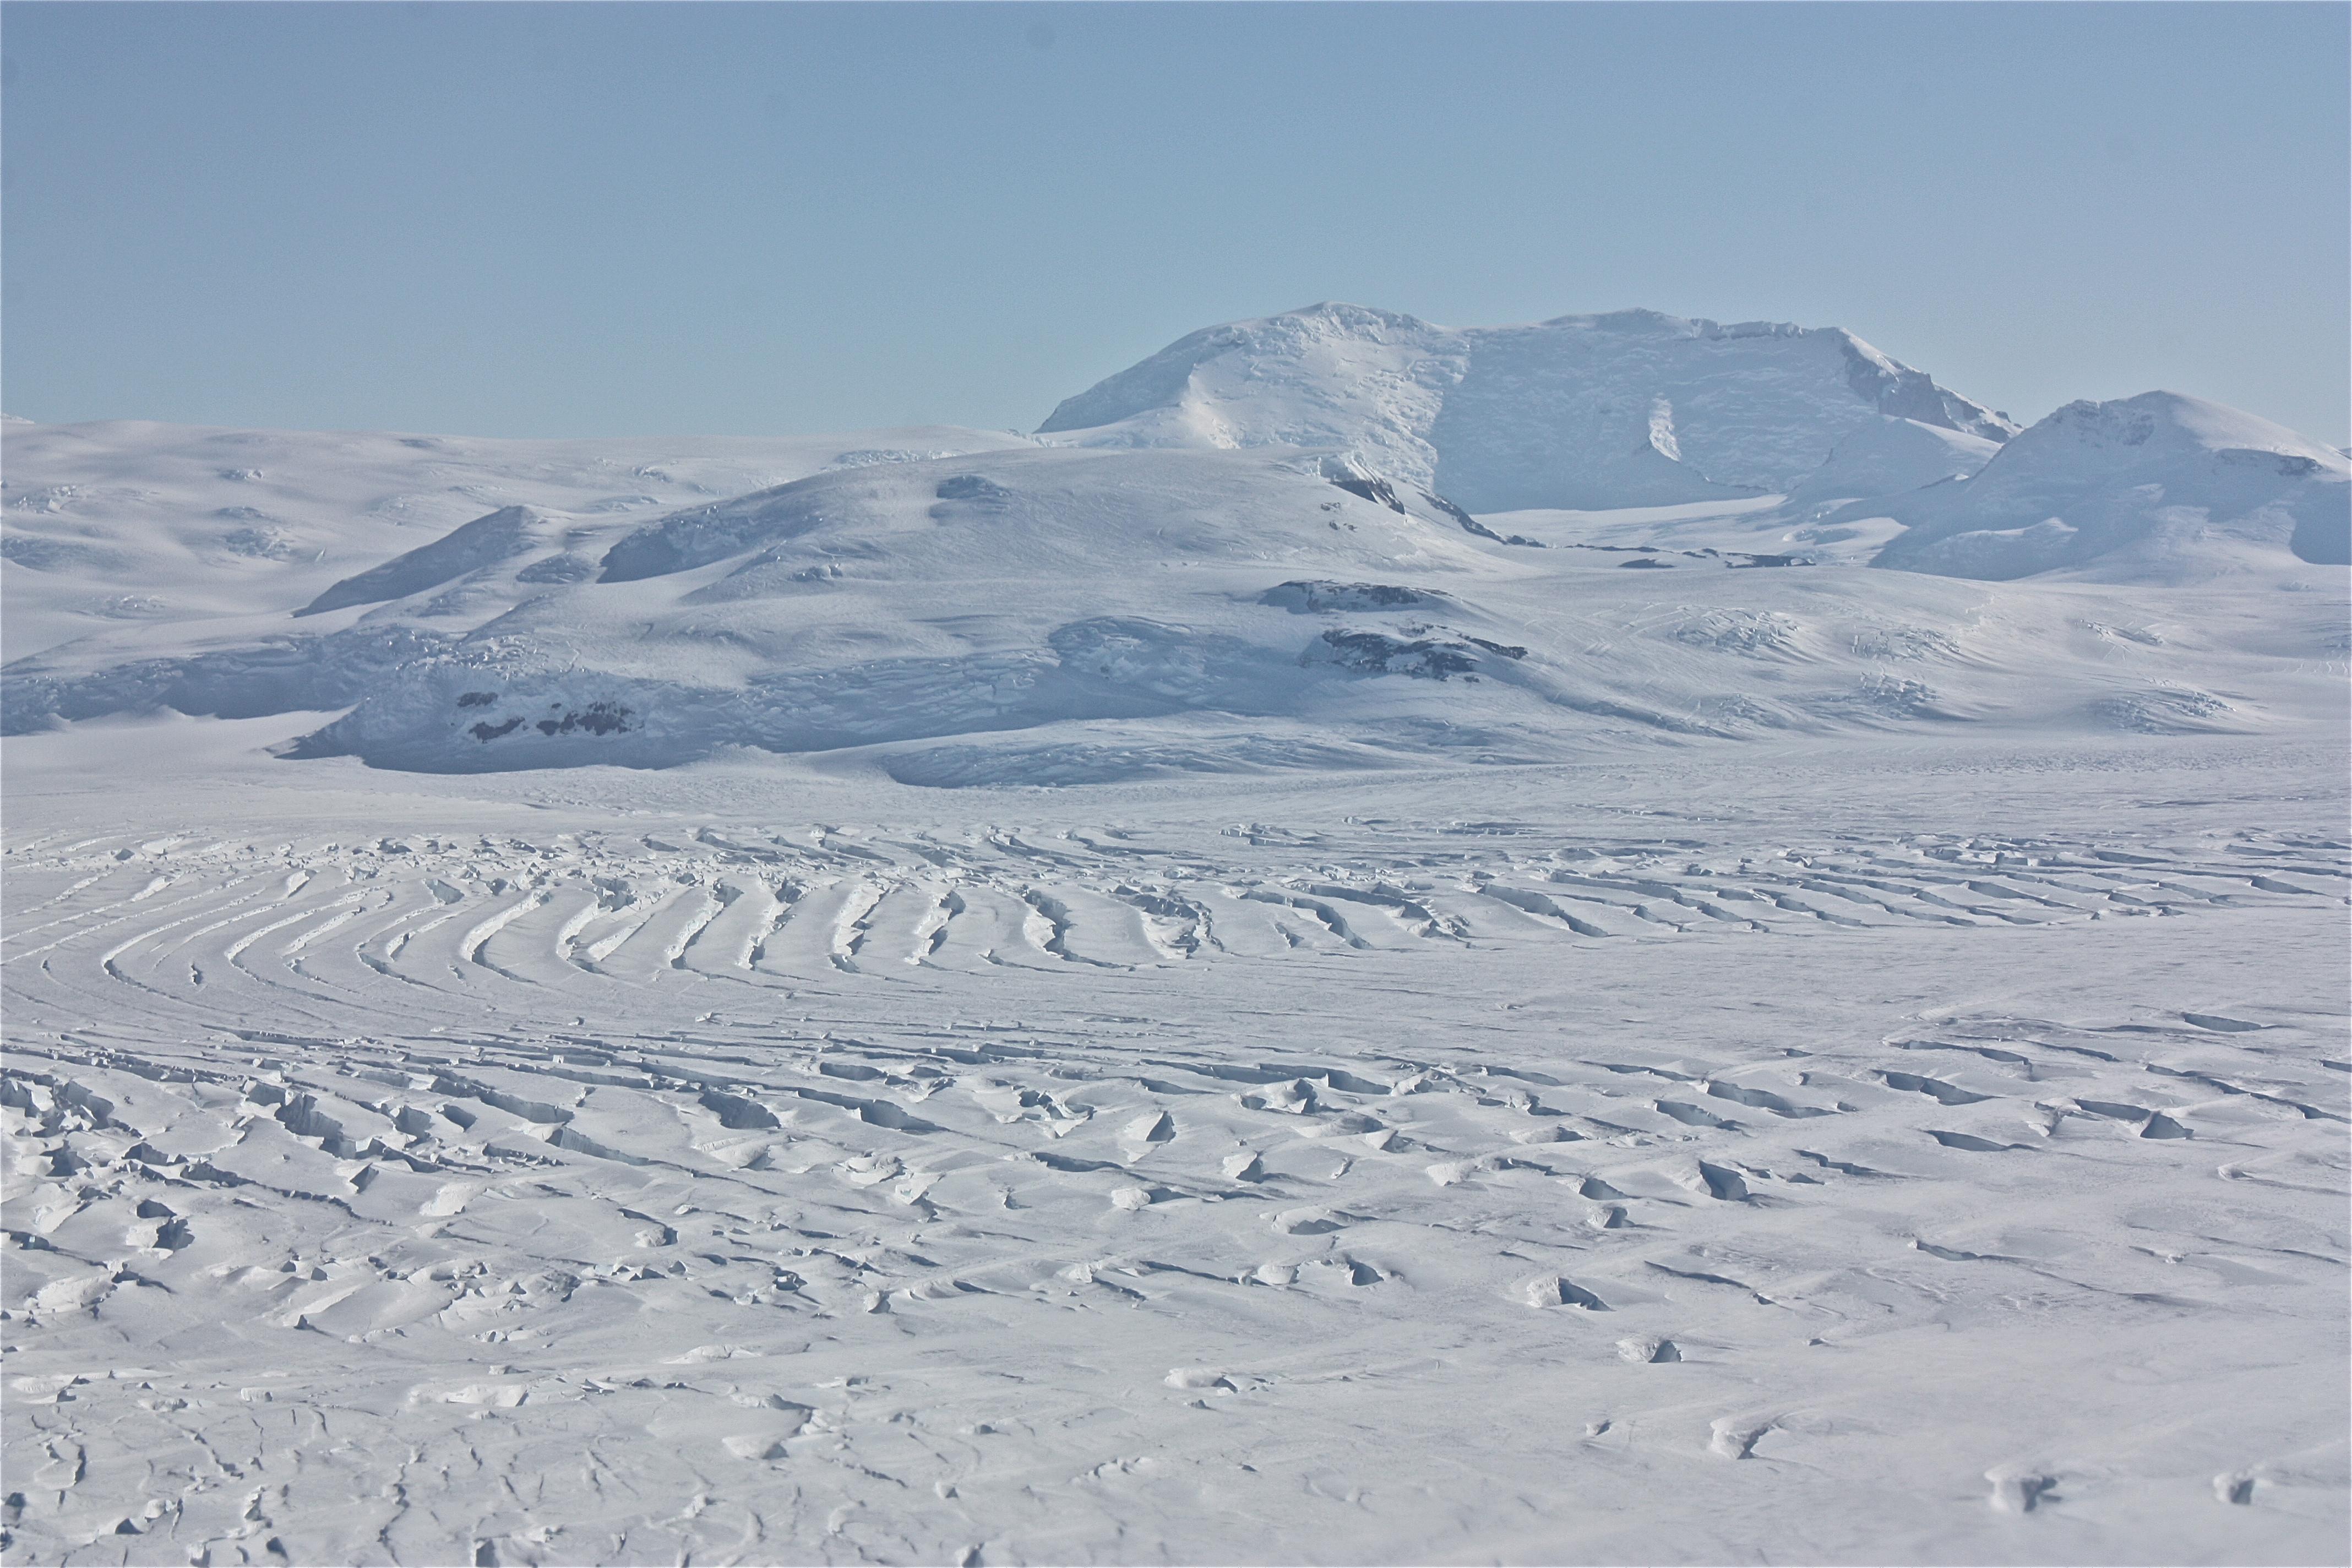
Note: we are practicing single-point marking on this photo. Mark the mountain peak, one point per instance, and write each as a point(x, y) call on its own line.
point(2172, 419)
point(1625, 408)
point(2160, 487)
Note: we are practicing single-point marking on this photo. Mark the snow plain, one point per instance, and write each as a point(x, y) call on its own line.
point(1110, 1000)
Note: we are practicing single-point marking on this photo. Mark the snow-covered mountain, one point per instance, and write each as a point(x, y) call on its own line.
point(2156, 487)
point(1250, 547)
point(1065, 615)
point(1634, 409)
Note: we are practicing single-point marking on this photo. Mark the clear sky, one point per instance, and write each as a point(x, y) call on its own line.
point(560, 219)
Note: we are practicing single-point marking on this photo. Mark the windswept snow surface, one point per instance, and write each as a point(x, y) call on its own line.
point(938, 997)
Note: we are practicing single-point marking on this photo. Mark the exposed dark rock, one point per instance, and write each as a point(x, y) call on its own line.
point(1303, 595)
point(597, 719)
point(1379, 491)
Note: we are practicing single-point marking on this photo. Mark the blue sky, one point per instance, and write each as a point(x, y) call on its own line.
point(557, 219)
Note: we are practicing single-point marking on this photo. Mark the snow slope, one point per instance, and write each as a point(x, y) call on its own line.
point(1893, 455)
point(1634, 409)
point(110, 527)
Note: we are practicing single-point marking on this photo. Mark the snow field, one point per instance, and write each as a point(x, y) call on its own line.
point(1365, 1188)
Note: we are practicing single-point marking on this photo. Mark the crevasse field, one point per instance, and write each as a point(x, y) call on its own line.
point(1622, 941)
